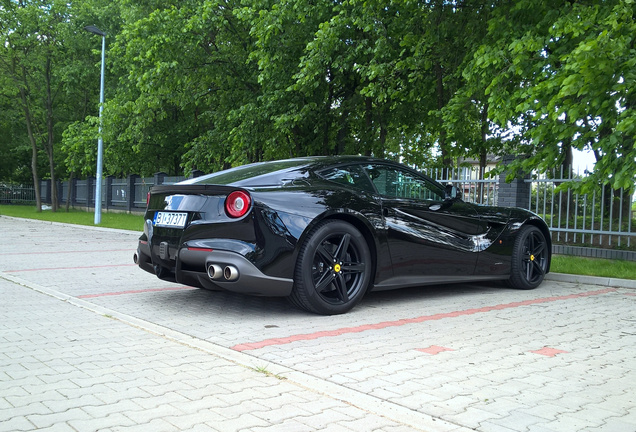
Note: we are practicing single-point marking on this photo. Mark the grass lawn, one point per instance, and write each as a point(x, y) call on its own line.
point(134, 222)
point(593, 267)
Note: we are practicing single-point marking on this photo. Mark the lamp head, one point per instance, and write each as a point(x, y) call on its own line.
point(95, 30)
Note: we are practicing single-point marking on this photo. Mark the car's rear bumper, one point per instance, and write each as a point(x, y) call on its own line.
point(191, 268)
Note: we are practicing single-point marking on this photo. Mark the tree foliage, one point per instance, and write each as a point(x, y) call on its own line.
point(562, 75)
point(208, 84)
point(39, 76)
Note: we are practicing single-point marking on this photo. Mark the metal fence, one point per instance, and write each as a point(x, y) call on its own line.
point(466, 179)
point(16, 194)
point(602, 218)
point(127, 194)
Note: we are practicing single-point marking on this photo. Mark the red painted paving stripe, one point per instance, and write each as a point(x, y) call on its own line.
point(549, 352)
point(65, 252)
point(398, 323)
point(434, 349)
point(85, 296)
point(69, 268)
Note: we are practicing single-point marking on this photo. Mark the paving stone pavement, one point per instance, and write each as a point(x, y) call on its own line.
point(90, 342)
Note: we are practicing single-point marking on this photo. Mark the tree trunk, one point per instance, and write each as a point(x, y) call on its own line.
point(343, 131)
point(383, 134)
point(368, 127)
point(34, 150)
point(50, 138)
point(297, 137)
point(483, 152)
point(69, 194)
point(447, 163)
point(483, 160)
point(327, 119)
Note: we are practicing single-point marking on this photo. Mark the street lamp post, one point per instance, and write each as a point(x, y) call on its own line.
point(100, 141)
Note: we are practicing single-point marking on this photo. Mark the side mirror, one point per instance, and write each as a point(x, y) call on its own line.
point(451, 192)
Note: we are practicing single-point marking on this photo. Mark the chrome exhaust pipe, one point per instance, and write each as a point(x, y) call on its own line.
point(231, 273)
point(215, 272)
point(136, 258)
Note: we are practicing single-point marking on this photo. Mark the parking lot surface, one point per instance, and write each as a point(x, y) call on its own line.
point(88, 341)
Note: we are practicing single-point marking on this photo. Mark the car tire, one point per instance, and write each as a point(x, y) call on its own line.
point(333, 270)
point(530, 258)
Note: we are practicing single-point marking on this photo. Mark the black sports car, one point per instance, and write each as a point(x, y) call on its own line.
point(324, 230)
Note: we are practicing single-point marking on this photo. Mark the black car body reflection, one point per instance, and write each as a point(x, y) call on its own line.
point(325, 230)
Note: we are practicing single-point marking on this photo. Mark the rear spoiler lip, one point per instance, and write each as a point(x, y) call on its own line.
point(200, 189)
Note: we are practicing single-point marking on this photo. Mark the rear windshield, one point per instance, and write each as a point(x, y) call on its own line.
point(263, 173)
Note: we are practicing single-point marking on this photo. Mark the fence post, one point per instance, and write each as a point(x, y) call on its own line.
point(159, 178)
point(46, 192)
point(517, 192)
point(196, 173)
point(60, 191)
point(90, 192)
point(72, 192)
point(130, 190)
point(108, 185)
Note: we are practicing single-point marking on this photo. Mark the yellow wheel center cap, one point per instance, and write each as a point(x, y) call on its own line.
point(336, 268)
point(531, 257)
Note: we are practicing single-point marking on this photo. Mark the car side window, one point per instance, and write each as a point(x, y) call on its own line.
point(396, 183)
point(348, 176)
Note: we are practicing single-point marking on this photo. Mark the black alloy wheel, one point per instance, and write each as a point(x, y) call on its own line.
point(333, 270)
point(529, 258)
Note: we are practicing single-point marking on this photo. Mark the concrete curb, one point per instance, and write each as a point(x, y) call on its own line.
point(592, 280)
point(87, 227)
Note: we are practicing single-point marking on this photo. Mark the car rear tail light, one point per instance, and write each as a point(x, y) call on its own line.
point(147, 199)
point(237, 204)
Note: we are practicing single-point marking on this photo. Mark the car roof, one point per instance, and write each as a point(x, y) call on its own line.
point(274, 170)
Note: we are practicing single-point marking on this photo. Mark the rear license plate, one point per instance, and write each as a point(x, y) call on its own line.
point(170, 219)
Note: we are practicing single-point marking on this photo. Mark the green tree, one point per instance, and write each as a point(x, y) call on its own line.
point(182, 98)
point(207, 83)
point(561, 74)
point(41, 47)
point(15, 160)
point(30, 42)
point(366, 77)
